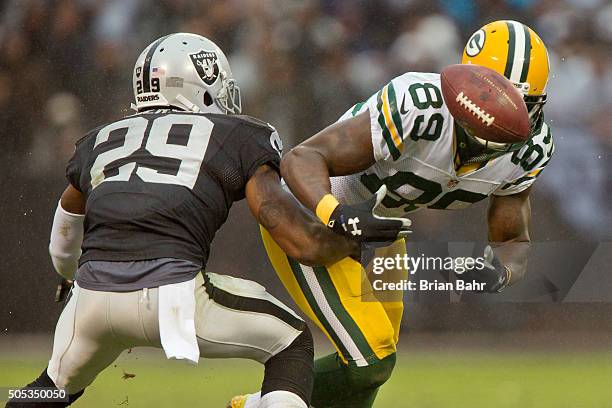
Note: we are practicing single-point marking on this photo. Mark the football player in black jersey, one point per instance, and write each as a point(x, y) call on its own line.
point(133, 229)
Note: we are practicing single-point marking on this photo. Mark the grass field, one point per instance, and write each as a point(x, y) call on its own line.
point(421, 379)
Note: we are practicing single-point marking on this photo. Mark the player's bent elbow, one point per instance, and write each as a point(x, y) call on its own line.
point(288, 162)
point(65, 264)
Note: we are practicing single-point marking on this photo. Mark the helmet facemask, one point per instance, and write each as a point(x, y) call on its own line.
point(479, 150)
point(535, 108)
point(228, 98)
point(535, 105)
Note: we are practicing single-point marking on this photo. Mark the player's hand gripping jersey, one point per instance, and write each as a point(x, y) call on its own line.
point(157, 154)
point(417, 147)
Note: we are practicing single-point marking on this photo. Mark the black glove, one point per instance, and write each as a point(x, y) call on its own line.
point(494, 275)
point(359, 223)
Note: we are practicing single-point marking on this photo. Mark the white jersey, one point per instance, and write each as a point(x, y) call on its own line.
point(414, 141)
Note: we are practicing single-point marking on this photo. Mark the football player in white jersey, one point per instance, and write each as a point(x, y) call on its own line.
point(405, 138)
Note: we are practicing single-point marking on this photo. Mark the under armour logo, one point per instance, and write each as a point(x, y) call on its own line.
point(353, 222)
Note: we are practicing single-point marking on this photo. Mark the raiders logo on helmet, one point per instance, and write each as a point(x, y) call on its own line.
point(206, 64)
point(475, 43)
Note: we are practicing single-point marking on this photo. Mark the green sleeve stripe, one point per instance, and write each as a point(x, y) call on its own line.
point(357, 108)
point(519, 181)
point(548, 140)
point(395, 153)
point(397, 120)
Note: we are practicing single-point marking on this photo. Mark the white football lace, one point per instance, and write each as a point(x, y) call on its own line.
point(474, 109)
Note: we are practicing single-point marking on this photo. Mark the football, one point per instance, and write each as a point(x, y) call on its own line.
point(485, 103)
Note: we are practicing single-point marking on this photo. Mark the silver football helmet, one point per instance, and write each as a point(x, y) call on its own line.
point(186, 71)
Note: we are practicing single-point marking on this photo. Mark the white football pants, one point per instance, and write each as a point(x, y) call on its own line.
point(234, 318)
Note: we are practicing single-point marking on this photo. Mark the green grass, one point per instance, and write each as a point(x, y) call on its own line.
point(421, 379)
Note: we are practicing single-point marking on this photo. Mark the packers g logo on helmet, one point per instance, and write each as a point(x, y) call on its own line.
point(512, 49)
point(475, 43)
point(518, 53)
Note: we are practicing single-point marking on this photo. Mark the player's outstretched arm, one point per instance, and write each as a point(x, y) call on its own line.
point(340, 149)
point(508, 219)
point(299, 234)
point(505, 259)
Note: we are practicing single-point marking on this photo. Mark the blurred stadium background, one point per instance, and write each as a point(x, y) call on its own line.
point(65, 67)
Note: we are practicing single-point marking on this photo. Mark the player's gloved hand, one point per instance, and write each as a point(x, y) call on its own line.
point(494, 275)
point(359, 222)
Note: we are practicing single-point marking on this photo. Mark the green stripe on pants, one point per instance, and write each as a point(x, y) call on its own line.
point(331, 294)
point(299, 276)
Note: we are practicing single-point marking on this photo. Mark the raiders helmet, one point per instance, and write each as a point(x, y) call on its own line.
point(186, 71)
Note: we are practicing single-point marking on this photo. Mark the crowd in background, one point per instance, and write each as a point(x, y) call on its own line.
point(66, 66)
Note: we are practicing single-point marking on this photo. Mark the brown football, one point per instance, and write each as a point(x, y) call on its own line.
point(485, 103)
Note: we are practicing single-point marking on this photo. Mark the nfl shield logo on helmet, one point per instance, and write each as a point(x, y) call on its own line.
point(206, 64)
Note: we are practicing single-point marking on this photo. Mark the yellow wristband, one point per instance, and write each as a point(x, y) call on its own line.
point(326, 207)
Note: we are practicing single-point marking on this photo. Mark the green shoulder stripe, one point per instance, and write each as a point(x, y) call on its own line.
point(395, 153)
point(356, 108)
point(517, 182)
point(397, 120)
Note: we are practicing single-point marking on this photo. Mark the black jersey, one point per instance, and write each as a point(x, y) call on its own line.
point(159, 184)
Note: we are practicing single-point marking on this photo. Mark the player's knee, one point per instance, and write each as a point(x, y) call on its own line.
point(382, 370)
point(292, 369)
point(304, 343)
point(373, 375)
point(301, 349)
point(385, 345)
